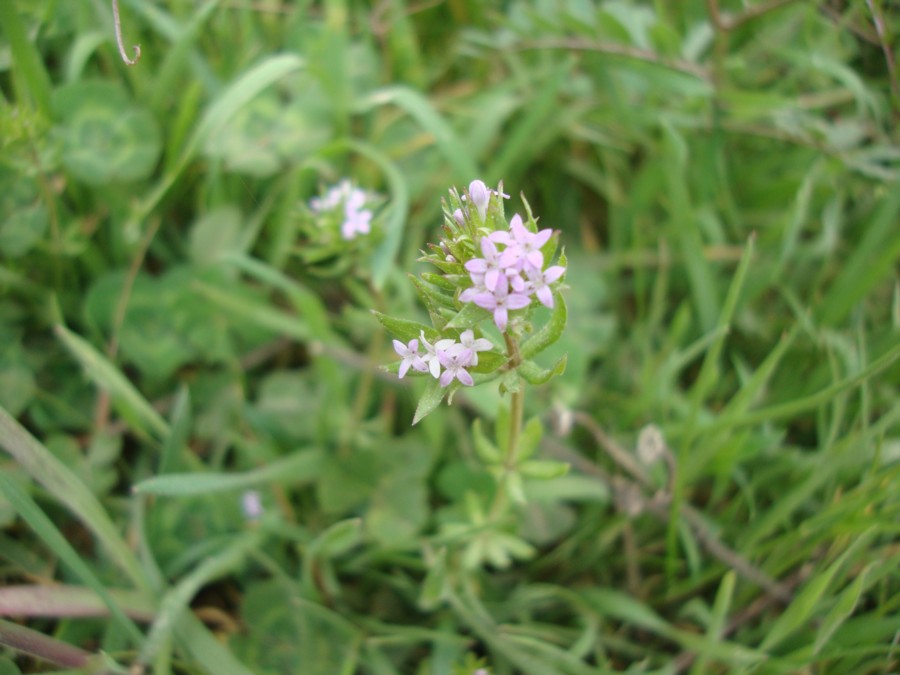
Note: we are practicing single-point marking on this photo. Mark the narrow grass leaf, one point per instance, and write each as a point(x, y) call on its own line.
point(44, 528)
point(807, 600)
point(420, 109)
point(304, 300)
point(66, 600)
point(61, 481)
point(843, 609)
point(29, 73)
point(176, 600)
point(870, 263)
point(684, 224)
point(243, 90)
point(299, 468)
point(133, 406)
point(29, 641)
point(710, 369)
point(263, 316)
point(177, 440)
point(205, 649)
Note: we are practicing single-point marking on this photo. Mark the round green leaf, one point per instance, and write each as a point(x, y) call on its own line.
point(104, 137)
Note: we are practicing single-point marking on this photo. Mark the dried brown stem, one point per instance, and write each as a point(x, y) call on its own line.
point(615, 49)
point(727, 22)
point(884, 43)
point(120, 42)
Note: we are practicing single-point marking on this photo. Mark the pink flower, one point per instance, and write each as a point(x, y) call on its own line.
point(410, 355)
point(540, 282)
point(468, 341)
point(455, 362)
point(432, 351)
point(500, 302)
point(490, 266)
point(524, 246)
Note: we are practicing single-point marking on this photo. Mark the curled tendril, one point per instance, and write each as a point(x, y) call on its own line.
point(119, 41)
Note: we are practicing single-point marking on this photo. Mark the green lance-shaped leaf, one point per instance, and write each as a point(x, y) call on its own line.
point(549, 332)
point(435, 302)
point(487, 451)
point(434, 587)
point(405, 330)
point(530, 438)
point(488, 362)
point(543, 469)
point(296, 469)
point(468, 317)
point(536, 375)
point(431, 399)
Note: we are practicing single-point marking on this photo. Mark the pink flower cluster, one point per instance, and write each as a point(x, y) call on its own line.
point(508, 278)
point(454, 357)
point(356, 219)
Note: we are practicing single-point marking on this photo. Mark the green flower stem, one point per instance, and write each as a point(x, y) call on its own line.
point(516, 417)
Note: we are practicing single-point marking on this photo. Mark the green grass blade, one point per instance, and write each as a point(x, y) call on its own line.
point(44, 528)
point(300, 467)
point(176, 601)
point(243, 90)
point(131, 404)
point(806, 602)
point(263, 316)
point(60, 481)
point(871, 262)
point(420, 109)
point(28, 67)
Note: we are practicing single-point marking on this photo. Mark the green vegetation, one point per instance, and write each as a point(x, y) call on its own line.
point(204, 465)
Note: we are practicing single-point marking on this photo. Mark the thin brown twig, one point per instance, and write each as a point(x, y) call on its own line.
point(728, 22)
point(885, 47)
point(614, 49)
point(120, 42)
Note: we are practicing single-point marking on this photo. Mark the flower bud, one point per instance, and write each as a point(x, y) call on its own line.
point(480, 197)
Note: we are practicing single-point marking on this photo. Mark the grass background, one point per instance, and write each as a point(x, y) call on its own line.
point(725, 178)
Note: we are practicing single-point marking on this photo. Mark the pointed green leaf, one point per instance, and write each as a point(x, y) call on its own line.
point(298, 468)
point(487, 451)
point(405, 330)
point(536, 375)
point(550, 332)
point(468, 317)
point(431, 399)
point(531, 436)
point(543, 469)
point(843, 608)
point(434, 586)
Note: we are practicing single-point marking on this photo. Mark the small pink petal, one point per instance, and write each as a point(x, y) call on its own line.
point(501, 317)
point(551, 274)
point(545, 295)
